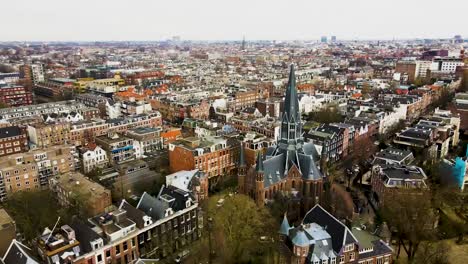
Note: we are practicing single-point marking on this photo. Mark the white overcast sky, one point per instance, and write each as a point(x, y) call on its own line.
point(48, 20)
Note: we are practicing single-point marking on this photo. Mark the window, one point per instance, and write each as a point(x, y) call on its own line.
point(99, 258)
point(341, 260)
point(351, 256)
point(125, 246)
point(379, 260)
point(349, 247)
point(117, 249)
point(108, 254)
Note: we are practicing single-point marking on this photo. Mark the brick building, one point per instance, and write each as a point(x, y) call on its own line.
point(214, 156)
point(323, 239)
point(45, 135)
point(74, 189)
point(13, 139)
point(32, 170)
point(15, 95)
point(289, 166)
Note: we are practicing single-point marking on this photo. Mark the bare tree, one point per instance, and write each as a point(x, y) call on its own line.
point(411, 218)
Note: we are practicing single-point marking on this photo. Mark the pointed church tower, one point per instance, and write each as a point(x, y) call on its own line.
point(291, 140)
point(242, 170)
point(259, 181)
point(243, 44)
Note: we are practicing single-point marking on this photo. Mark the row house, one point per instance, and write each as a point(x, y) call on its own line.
point(32, 170)
point(121, 125)
point(331, 141)
point(93, 100)
point(85, 132)
point(154, 229)
point(93, 157)
point(13, 139)
point(49, 108)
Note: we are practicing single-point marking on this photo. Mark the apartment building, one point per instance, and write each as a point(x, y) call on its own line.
point(84, 132)
point(15, 95)
point(243, 99)
point(388, 180)
point(215, 156)
point(13, 139)
point(74, 189)
point(148, 139)
point(32, 170)
point(46, 134)
point(32, 73)
point(119, 148)
point(54, 88)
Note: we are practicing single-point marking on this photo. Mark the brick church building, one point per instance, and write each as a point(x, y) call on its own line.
point(288, 167)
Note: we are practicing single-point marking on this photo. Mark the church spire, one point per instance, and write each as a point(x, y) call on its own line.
point(291, 102)
point(291, 126)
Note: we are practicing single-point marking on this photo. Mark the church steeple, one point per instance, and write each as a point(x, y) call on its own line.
point(291, 125)
point(291, 102)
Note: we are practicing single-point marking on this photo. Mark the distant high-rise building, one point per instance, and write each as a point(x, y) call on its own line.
point(324, 39)
point(333, 39)
point(458, 39)
point(243, 44)
point(176, 38)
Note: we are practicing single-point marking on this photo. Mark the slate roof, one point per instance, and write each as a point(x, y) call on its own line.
point(340, 234)
point(379, 248)
point(13, 131)
point(152, 206)
point(290, 151)
point(134, 214)
point(84, 233)
point(18, 253)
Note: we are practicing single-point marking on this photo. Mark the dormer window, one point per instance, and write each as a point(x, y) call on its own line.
point(187, 203)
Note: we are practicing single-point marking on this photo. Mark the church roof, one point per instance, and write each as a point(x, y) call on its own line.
point(290, 150)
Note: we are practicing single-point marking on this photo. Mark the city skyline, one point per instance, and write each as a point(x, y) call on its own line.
point(53, 20)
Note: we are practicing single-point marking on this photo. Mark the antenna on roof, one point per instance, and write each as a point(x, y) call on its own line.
point(51, 232)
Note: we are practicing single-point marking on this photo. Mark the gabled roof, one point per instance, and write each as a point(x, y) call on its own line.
point(85, 234)
point(18, 253)
point(340, 234)
point(134, 214)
